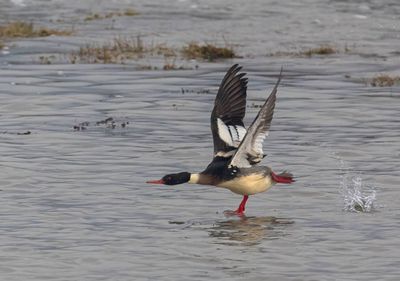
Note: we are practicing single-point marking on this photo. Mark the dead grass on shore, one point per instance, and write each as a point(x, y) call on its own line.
point(207, 51)
point(383, 80)
point(122, 49)
point(322, 50)
point(119, 51)
point(22, 29)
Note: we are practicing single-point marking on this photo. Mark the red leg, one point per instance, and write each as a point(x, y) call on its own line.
point(242, 205)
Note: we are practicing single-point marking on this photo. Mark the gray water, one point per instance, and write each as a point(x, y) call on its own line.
point(74, 205)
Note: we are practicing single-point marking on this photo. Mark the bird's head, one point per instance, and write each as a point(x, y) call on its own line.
point(172, 179)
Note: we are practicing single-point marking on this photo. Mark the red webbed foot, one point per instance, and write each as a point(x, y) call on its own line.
point(240, 210)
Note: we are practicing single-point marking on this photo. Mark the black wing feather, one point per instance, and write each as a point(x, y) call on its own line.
point(230, 105)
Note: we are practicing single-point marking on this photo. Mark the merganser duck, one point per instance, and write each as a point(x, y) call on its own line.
point(237, 151)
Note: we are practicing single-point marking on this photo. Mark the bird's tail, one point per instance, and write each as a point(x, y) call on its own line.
point(284, 177)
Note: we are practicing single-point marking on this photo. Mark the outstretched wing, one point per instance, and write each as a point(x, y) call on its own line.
point(250, 151)
point(229, 109)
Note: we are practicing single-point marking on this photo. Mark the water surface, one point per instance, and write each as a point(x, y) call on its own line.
point(74, 205)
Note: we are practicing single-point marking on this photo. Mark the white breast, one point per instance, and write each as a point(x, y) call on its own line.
point(248, 185)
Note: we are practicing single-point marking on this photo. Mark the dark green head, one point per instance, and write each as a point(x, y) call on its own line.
point(172, 179)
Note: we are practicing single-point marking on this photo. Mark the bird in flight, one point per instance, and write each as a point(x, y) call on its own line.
point(237, 150)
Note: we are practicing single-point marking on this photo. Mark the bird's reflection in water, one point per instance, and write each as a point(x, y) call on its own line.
point(248, 230)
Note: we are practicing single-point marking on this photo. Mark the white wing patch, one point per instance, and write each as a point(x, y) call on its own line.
point(232, 135)
point(258, 143)
point(224, 133)
point(240, 133)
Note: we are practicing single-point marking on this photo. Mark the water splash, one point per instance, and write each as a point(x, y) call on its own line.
point(357, 196)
